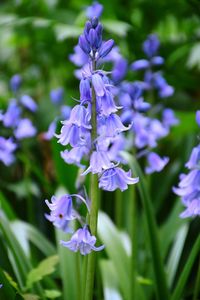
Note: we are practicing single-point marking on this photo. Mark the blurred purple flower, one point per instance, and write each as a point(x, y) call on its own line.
point(51, 131)
point(168, 118)
point(12, 115)
point(198, 117)
point(28, 103)
point(156, 163)
point(94, 10)
point(25, 129)
point(82, 241)
point(7, 147)
point(15, 82)
point(151, 45)
point(56, 96)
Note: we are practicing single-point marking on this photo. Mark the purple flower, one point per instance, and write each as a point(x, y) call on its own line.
point(99, 161)
point(61, 211)
point(156, 163)
point(106, 104)
point(98, 85)
point(151, 45)
point(15, 82)
point(28, 103)
point(65, 111)
point(189, 186)
point(51, 131)
point(140, 65)
point(85, 93)
point(56, 95)
point(79, 58)
point(119, 69)
point(94, 10)
point(75, 155)
point(112, 126)
point(25, 129)
point(82, 241)
point(157, 60)
point(7, 147)
point(168, 118)
point(106, 47)
point(198, 117)
point(12, 115)
point(1, 285)
point(194, 159)
point(116, 178)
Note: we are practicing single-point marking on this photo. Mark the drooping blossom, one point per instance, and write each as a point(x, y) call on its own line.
point(82, 241)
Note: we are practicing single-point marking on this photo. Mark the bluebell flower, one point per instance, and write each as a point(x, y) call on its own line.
point(155, 163)
point(15, 82)
point(106, 104)
point(119, 69)
point(112, 126)
point(7, 148)
point(65, 111)
point(12, 115)
point(56, 95)
point(25, 129)
point(140, 64)
point(51, 131)
point(99, 161)
point(82, 241)
point(61, 211)
point(79, 58)
point(28, 103)
point(94, 10)
point(76, 154)
point(168, 118)
point(151, 45)
point(189, 185)
point(116, 178)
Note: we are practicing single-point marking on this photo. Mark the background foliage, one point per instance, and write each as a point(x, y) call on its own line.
point(36, 40)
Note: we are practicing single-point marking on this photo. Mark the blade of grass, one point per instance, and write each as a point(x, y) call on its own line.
point(152, 230)
point(186, 271)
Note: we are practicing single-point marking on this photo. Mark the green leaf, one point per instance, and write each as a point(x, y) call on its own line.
point(117, 27)
point(5, 206)
point(46, 267)
point(7, 291)
point(52, 294)
point(63, 31)
point(152, 230)
point(33, 235)
point(186, 271)
point(116, 251)
point(110, 280)
point(30, 297)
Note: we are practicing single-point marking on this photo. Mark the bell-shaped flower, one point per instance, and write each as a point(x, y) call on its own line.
point(98, 85)
point(82, 241)
point(25, 129)
point(106, 104)
point(12, 115)
point(192, 209)
point(70, 134)
point(61, 211)
point(106, 47)
point(155, 163)
point(7, 147)
point(99, 161)
point(112, 126)
point(116, 178)
point(194, 160)
point(85, 91)
point(75, 155)
point(79, 116)
point(168, 118)
point(94, 10)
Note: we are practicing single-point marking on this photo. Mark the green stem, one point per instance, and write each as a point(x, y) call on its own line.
point(94, 196)
point(197, 284)
point(133, 223)
point(118, 208)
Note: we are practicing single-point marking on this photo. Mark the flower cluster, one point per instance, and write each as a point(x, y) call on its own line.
point(62, 212)
point(13, 119)
point(94, 124)
point(189, 185)
point(153, 80)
